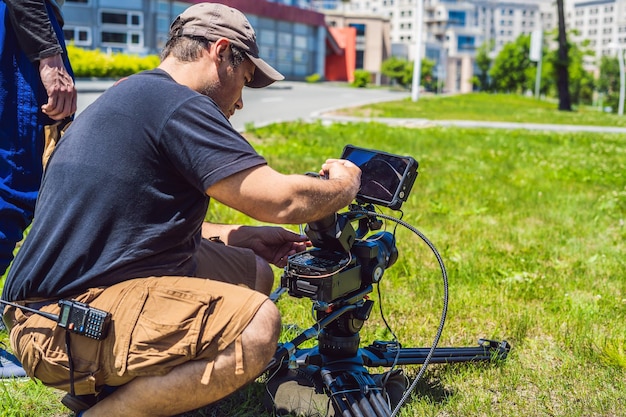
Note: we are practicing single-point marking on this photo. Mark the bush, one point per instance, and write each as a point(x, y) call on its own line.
point(95, 63)
point(399, 70)
point(313, 78)
point(361, 78)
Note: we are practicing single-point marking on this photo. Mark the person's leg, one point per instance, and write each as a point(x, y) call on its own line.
point(21, 140)
point(21, 135)
point(264, 276)
point(180, 390)
point(234, 265)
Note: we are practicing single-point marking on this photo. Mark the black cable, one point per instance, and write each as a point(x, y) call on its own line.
point(445, 303)
point(70, 360)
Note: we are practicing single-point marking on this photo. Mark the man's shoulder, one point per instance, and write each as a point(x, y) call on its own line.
point(161, 86)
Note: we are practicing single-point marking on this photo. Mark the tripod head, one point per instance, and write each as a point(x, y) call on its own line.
point(342, 260)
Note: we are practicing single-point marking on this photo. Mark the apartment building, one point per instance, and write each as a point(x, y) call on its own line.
point(453, 30)
point(602, 23)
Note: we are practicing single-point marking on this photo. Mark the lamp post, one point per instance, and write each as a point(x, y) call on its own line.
point(417, 66)
point(622, 82)
point(622, 76)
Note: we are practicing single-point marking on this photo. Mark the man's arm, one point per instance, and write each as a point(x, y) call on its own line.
point(39, 42)
point(59, 86)
point(32, 26)
point(267, 195)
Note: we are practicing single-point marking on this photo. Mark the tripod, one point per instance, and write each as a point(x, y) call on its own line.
point(338, 366)
point(337, 275)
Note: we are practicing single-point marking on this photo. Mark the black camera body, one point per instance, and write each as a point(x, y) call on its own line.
point(344, 260)
point(325, 275)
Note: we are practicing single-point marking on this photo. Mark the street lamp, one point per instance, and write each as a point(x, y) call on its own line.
point(417, 66)
point(622, 75)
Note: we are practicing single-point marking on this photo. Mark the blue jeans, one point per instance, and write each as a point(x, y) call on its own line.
point(21, 135)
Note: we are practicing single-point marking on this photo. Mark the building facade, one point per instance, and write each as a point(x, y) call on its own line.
point(602, 24)
point(373, 44)
point(291, 39)
point(294, 37)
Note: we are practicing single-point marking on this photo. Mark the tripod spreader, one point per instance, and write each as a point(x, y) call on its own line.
point(389, 353)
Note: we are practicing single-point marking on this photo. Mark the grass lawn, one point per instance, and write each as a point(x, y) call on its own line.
point(531, 227)
point(488, 107)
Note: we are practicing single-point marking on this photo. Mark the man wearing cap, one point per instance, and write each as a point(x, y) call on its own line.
point(120, 226)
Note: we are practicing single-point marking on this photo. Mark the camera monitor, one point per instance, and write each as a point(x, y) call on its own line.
point(386, 179)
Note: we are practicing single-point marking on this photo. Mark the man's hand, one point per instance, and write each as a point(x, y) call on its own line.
point(274, 244)
point(59, 87)
point(345, 170)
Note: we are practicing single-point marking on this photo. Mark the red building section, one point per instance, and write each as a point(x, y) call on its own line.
point(340, 61)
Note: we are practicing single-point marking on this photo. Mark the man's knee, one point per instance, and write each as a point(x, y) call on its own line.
point(262, 333)
point(264, 276)
point(267, 322)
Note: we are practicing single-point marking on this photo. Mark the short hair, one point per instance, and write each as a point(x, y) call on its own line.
point(189, 48)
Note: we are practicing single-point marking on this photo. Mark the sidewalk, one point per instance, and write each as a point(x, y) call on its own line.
point(93, 86)
point(421, 123)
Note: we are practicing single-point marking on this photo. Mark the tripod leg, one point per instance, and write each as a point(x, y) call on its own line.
point(366, 406)
point(354, 405)
point(375, 398)
point(380, 406)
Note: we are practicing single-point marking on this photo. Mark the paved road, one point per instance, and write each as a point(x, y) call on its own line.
point(287, 101)
point(283, 101)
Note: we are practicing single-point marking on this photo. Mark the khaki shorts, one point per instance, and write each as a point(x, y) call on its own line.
point(226, 263)
point(157, 323)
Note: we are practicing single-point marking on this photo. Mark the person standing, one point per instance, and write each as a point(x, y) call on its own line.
point(36, 90)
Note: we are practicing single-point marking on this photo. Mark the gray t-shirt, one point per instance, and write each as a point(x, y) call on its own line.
point(123, 195)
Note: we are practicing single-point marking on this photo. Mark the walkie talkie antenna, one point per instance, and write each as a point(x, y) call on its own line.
point(50, 316)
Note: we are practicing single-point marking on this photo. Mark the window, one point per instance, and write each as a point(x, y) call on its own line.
point(360, 28)
point(130, 39)
point(457, 18)
point(80, 36)
point(122, 18)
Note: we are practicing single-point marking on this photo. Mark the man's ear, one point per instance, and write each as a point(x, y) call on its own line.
point(222, 48)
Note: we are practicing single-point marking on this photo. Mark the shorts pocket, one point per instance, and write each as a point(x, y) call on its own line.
point(43, 356)
point(166, 331)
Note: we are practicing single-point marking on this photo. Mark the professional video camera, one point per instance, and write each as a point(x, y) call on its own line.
point(344, 260)
point(337, 274)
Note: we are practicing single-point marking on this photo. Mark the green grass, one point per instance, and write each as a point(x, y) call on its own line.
point(531, 227)
point(488, 107)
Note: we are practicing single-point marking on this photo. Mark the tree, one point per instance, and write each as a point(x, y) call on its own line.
point(562, 64)
point(608, 82)
point(581, 82)
point(483, 62)
point(397, 69)
point(510, 69)
point(401, 71)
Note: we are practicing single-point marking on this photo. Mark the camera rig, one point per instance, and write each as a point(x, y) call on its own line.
point(337, 274)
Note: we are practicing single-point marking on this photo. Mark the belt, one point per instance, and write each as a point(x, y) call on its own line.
point(37, 305)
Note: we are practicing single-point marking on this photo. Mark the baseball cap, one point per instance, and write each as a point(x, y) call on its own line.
point(213, 21)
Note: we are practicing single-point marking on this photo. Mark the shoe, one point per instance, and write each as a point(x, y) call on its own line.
point(78, 403)
point(10, 367)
